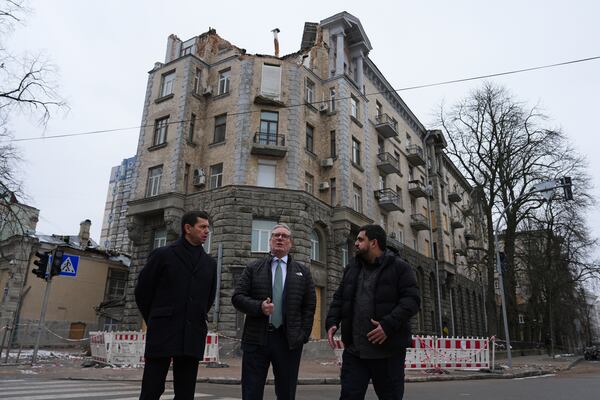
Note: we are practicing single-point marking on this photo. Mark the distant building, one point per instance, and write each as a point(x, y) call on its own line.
point(114, 224)
point(91, 299)
point(317, 139)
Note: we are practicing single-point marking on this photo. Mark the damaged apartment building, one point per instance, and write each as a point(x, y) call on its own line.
point(317, 139)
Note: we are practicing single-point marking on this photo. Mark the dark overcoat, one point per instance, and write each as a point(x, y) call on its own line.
point(174, 296)
point(299, 301)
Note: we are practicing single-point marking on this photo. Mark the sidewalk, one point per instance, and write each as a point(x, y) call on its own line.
point(312, 370)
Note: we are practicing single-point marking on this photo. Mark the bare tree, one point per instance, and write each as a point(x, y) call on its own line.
point(27, 86)
point(503, 149)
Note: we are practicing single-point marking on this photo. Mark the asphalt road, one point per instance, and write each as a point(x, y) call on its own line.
point(580, 383)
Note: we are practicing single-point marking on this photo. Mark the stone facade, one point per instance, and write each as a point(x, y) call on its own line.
point(317, 139)
point(114, 223)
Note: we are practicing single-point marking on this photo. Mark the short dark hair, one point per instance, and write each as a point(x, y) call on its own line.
point(191, 217)
point(375, 232)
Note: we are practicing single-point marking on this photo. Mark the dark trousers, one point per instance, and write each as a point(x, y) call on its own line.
point(387, 375)
point(185, 371)
point(255, 366)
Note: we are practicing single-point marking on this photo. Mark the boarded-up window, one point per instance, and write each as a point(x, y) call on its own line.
point(271, 81)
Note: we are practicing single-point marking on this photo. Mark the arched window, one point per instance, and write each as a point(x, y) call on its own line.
point(315, 246)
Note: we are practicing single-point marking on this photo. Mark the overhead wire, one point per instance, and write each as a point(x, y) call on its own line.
point(478, 77)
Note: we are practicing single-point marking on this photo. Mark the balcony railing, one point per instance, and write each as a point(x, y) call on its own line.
point(416, 189)
point(415, 155)
point(388, 200)
point(419, 222)
point(388, 164)
point(456, 223)
point(269, 144)
point(454, 197)
point(386, 126)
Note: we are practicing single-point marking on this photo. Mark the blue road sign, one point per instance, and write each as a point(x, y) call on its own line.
point(69, 265)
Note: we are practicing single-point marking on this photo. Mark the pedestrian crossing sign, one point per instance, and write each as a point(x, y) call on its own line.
point(69, 265)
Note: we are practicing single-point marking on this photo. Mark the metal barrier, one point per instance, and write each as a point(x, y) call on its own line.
point(431, 352)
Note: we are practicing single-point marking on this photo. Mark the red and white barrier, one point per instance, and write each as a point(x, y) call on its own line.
point(431, 352)
point(211, 348)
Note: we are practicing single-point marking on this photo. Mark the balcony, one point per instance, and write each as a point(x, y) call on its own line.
point(386, 126)
point(454, 197)
point(419, 222)
point(456, 223)
point(388, 164)
point(414, 155)
point(416, 189)
point(388, 200)
point(469, 235)
point(269, 144)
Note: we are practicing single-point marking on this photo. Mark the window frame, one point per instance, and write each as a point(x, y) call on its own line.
point(161, 129)
point(153, 181)
point(167, 84)
point(310, 138)
point(218, 127)
point(259, 233)
point(356, 151)
point(216, 176)
point(224, 81)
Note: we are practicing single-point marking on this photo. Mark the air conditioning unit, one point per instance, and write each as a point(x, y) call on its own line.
point(323, 107)
point(199, 178)
point(207, 91)
point(327, 162)
point(323, 185)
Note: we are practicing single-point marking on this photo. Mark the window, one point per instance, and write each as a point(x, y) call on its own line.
point(332, 191)
point(271, 81)
point(160, 131)
point(445, 221)
point(309, 182)
point(224, 78)
point(380, 145)
point(426, 248)
point(160, 238)
point(310, 138)
point(220, 128)
point(117, 281)
point(400, 233)
point(216, 175)
point(354, 107)
point(379, 108)
point(355, 151)
point(192, 128)
point(521, 319)
point(268, 127)
point(153, 184)
point(208, 241)
point(381, 182)
point(357, 197)
point(433, 220)
point(167, 83)
point(266, 173)
point(332, 148)
point(309, 91)
point(186, 177)
point(261, 231)
point(443, 193)
point(332, 99)
point(198, 81)
point(315, 244)
point(399, 193)
point(185, 51)
point(344, 256)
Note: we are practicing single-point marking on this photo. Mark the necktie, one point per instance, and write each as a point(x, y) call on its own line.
point(277, 317)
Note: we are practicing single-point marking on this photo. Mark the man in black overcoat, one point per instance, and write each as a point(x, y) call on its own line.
point(376, 298)
point(174, 292)
point(277, 294)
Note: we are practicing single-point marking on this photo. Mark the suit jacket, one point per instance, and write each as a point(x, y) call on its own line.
point(174, 296)
point(299, 301)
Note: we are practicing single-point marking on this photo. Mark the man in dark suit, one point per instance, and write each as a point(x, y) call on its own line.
point(376, 298)
point(174, 292)
point(277, 294)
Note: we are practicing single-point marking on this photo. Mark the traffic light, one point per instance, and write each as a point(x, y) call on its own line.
point(566, 181)
point(56, 262)
point(42, 264)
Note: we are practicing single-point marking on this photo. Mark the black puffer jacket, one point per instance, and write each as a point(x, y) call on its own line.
point(299, 301)
point(396, 301)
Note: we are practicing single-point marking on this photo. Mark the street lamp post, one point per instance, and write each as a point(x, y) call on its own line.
point(546, 188)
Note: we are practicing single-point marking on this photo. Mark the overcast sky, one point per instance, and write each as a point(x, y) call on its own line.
point(103, 50)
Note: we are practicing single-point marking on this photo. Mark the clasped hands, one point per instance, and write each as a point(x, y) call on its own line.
point(376, 336)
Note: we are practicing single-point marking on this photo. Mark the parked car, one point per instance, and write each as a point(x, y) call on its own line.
point(592, 353)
